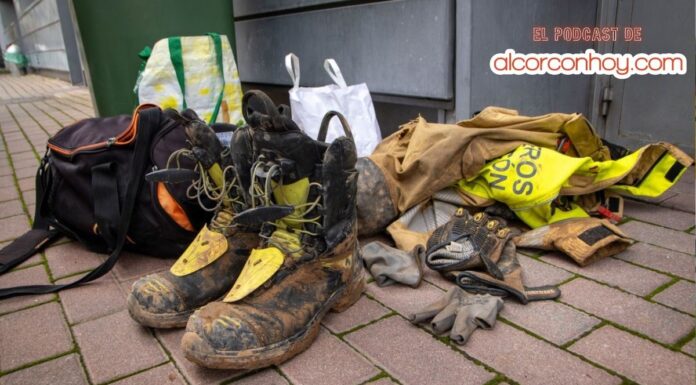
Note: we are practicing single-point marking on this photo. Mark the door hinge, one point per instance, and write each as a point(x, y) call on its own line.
point(607, 97)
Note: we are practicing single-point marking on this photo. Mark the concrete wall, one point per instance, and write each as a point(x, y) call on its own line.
point(432, 56)
point(42, 38)
point(9, 29)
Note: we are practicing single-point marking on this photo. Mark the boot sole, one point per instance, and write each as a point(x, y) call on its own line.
point(156, 320)
point(280, 351)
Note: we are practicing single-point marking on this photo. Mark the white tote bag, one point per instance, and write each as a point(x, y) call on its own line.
point(309, 104)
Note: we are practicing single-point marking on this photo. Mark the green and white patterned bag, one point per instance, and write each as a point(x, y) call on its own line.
point(197, 72)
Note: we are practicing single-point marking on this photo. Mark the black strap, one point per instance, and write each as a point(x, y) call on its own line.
point(106, 206)
point(40, 235)
point(148, 123)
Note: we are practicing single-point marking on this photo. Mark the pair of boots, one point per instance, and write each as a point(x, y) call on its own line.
point(280, 252)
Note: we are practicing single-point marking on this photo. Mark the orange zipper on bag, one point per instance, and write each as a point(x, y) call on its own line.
point(124, 138)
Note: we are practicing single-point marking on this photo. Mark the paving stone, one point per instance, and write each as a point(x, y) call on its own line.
point(660, 236)
point(412, 356)
point(556, 322)
point(131, 265)
point(362, 312)
point(264, 377)
point(537, 273)
point(674, 219)
point(681, 295)
point(656, 321)
point(613, 272)
point(29, 162)
point(95, 299)
point(11, 208)
point(162, 375)
point(19, 329)
point(682, 201)
point(126, 286)
point(13, 227)
point(690, 347)
point(635, 358)
point(62, 370)
point(27, 184)
point(6, 180)
point(658, 258)
point(70, 258)
point(329, 361)
point(29, 197)
point(171, 340)
point(26, 155)
point(7, 193)
point(686, 182)
point(26, 172)
point(385, 381)
point(115, 345)
point(18, 146)
point(13, 136)
point(404, 299)
point(528, 360)
point(35, 275)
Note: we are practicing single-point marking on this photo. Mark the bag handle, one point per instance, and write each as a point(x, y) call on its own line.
point(217, 43)
point(175, 56)
point(334, 72)
point(148, 123)
point(177, 60)
point(292, 64)
point(324, 126)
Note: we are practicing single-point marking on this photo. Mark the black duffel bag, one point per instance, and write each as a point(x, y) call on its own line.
point(90, 186)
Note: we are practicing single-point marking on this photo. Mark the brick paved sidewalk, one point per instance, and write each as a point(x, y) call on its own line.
point(623, 320)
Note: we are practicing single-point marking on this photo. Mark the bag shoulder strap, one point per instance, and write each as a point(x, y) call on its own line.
point(148, 123)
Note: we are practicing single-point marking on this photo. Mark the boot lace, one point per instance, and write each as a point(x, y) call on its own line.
point(226, 196)
point(261, 190)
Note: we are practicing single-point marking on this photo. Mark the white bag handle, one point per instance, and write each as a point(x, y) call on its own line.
point(332, 69)
point(292, 64)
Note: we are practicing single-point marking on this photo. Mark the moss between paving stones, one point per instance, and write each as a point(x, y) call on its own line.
point(37, 362)
point(677, 346)
point(499, 378)
point(661, 288)
point(111, 381)
point(378, 377)
point(342, 334)
point(583, 335)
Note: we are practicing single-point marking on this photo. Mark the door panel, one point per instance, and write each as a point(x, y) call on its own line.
point(652, 108)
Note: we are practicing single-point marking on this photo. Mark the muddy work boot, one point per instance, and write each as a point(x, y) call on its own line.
point(309, 261)
point(212, 262)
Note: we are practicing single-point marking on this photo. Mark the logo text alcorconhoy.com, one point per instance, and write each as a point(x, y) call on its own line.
point(589, 62)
